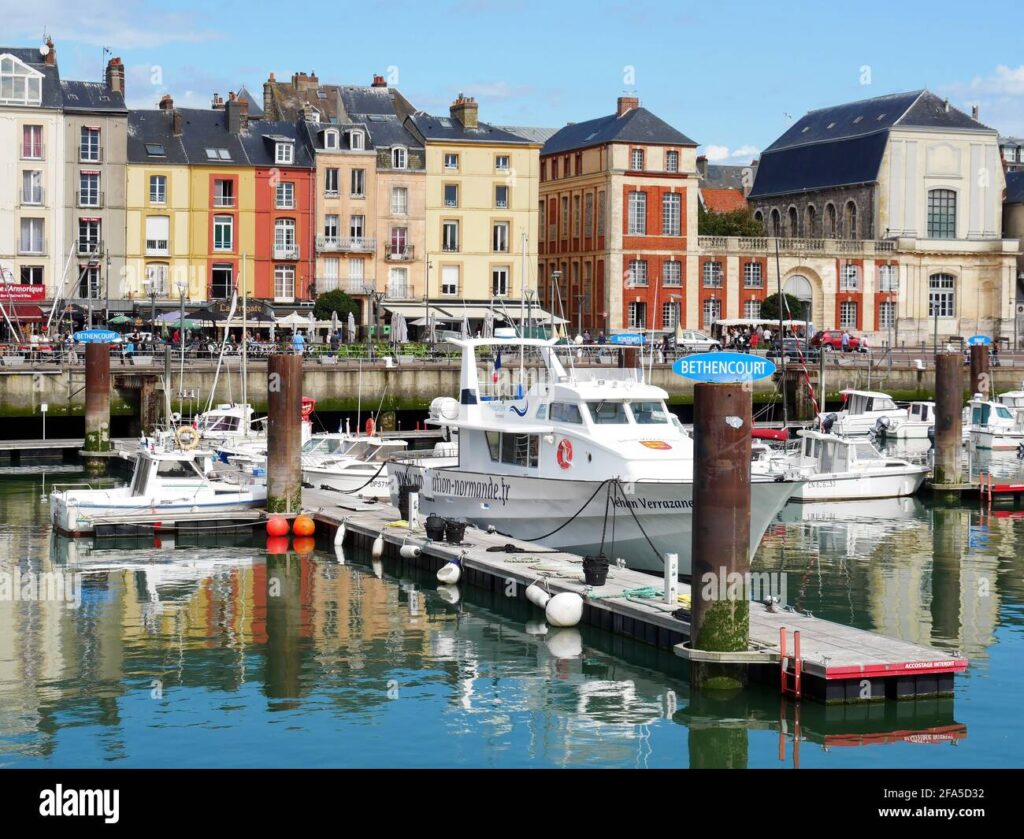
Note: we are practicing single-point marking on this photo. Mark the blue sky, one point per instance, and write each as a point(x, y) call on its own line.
point(730, 76)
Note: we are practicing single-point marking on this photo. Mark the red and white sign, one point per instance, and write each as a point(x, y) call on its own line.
point(19, 293)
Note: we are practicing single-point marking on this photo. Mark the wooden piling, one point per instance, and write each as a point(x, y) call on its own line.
point(284, 434)
point(97, 406)
point(981, 379)
point(948, 418)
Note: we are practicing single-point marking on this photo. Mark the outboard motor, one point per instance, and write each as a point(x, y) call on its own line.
point(1020, 451)
point(881, 429)
point(827, 423)
point(931, 436)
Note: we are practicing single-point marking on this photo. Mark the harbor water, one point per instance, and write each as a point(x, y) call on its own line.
point(162, 655)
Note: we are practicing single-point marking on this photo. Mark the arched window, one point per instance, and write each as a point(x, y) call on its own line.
point(759, 218)
point(800, 287)
point(776, 223)
point(810, 221)
point(941, 214)
point(830, 221)
point(794, 223)
point(850, 220)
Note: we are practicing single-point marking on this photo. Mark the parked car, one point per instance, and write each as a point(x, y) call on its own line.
point(693, 341)
point(795, 348)
point(831, 340)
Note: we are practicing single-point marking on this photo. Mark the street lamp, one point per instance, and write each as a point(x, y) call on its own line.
point(150, 285)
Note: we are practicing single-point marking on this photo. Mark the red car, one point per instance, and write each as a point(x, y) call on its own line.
point(832, 340)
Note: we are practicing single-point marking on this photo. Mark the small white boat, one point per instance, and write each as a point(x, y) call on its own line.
point(997, 424)
point(862, 413)
point(167, 480)
point(230, 422)
point(349, 463)
point(919, 420)
point(842, 469)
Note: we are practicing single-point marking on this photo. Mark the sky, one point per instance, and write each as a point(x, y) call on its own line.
point(731, 76)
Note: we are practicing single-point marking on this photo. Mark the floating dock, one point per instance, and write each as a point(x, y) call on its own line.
point(832, 663)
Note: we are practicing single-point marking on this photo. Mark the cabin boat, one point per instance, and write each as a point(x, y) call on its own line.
point(919, 420)
point(996, 424)
point(349, 463)
point(584, 460)
point(861, 413)
point(166, 480)
point(842, 469)
point(229, 422)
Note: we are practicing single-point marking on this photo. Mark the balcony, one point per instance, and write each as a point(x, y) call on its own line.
point(332, 193)
point(352, 244)
point(290, 251)
point(789, 245)
point(359, 285)
point(90, 248)
point(406, 253)
point(224, 202)
point(89, 199)
point(36, 248)
point(33, 151)
point(90, 154)
point(399, 291)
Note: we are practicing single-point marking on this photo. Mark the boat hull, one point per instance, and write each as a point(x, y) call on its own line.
point(996, 440)
point(849, 486)
point(365, 482)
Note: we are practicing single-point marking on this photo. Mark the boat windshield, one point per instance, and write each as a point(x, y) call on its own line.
point(325, 445)
point(649, 413)
point(225, 422)
point(1003, 412)
point(865, 451)
point(177, 469)
point(608, 413)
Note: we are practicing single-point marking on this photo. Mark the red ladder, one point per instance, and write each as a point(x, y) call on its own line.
point(789, 682)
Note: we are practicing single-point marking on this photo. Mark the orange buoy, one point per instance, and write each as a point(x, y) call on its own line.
point(277, 545)
point(304, 545)
point(303, 526)
point(277, 526)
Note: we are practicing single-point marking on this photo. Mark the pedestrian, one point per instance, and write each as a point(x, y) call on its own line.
point(586, 336)
point(176, 338)
point(128, 352)
point(845, 342)
point(600, 337)
point(334, 341)
point(298, 342)
point(863, 345)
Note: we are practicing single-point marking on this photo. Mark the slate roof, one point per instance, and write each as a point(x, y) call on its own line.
point(637, 125)
point(531, 133)
point(723, 177)
point(51, 96)
point(843, 145)
point(261, 137)
point(153, 127)
point(441, 129)
point(255, 108)
point(1014, 188)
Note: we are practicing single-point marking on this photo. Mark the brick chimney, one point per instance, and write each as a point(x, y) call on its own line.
point(115, 76)
point(166, 103)
point(627, 103)
point(378, 81)
point(51, 55)
point(217, 103)
point(702, 166)
point(238, 114)
point(465, 110)
point(176, 122)
point(268, 97)
point(305, 81)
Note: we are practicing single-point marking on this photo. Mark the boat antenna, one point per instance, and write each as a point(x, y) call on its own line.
point(782, 334)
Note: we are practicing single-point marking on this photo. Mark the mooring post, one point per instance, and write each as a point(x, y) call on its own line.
point(97, 407)
point(720, 611)
point(981, 380)
point(949, 394)
point(284, 434)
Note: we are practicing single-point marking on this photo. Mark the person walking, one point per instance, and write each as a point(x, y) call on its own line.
point(298, 343)
point(845, 341)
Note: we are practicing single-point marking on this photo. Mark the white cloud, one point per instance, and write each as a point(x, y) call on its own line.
point(190, 87)
point(723, 154)
point(496, 90)
point(998, 95)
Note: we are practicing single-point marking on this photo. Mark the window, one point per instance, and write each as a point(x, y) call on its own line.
point(638, 213)
point(776, 223)
point(331, 182)
point(794, 223)
point(284, 239)
point(286, 195)
point(158, 234)
point(847, 315)
point(223, 193)
point(588, 214)
point(218, 154)
point(809, 220)
point(887, 314)
point(284, 281)
point(284, 153)
point(576, 216)
point(399, 241)
point(450, 279)
point(450, 236)
point(89, 282)
point(514, 449)
point(89, 236)
point(499, 237)
point(156, 279)
point(636, 160)
point(451, 161)
point(332, 271)
point(712, 312)
point(712, 274)
point(356, 272)
point(566, 412)
point(357, 226)
point(356, 140)
point(331, 227)
point(600, 213)
point(399, 201)
point(19, 83)
point(398, 283)
point(889, 278)
point(157, 189)
point(672, 274)
point(89, 194)
point(850, 220)
point(358, 183)
point(752, 275)
point(501, 162)
point(830, 221)
point(399, 157)
point(223, 233)
point(451, 195)
point(668, 315)
point(31, 274)
point(578, 164)
point(554, 168)
point(670, 213)
point(752, 309)
point(221, 282)
point(637, 272)
point(608, 413)
point(32, 187)
point(499, 281)
point(156, 150)
point(89, 145)
point(941, 296)
point(941, 214)
point(501, 197)
point(849, 278)
point(565, 217)
point(331, 139)
point(637, 315)
point(32, 142)
point(671, 161)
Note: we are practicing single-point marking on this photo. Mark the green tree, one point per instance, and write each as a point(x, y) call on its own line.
point(770, 308)
point(733, 223)
point(334, 301)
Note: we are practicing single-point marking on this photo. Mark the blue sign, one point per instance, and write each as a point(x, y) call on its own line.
point(97, 336)
point(628, 339)
point(978, 341)
point(723, 367)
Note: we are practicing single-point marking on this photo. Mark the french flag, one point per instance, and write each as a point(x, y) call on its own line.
point(497, 367)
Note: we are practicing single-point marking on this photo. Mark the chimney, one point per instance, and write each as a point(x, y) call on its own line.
point(166, 103)
point(115, 76)
point(626, 104)
point(378, 81)
point(945, 105)
point(268, 96)
point(238, 114)
point(465, 110)
point(702, 166)
point(176, 122)
point(305, 81)
point(218, 102)
point(51, 55)
point(974, 112)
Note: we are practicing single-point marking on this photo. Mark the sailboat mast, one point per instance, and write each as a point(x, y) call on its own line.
point(245, 351)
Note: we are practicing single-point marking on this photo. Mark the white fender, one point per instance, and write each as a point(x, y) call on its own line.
point(339, 534)
point(449, 573)
point(565, 609)
point(377, 551)
point(537, 596)
point(410, 551)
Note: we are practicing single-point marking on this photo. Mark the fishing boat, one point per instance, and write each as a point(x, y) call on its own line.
point(586, 460)
point(863, 411)
point(996, 424)
point(168, 479)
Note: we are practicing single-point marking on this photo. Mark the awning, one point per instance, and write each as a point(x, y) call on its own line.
point(455, 311)
point(25, 313)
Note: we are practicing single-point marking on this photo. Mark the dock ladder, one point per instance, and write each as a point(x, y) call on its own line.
point(790, 683)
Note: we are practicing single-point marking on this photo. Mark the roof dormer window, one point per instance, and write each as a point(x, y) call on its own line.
point(284, 153)
point(356, 140)
point(331, 139)
point(19, 83)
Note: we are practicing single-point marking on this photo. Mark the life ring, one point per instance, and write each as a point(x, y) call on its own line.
point(564, 453)
point(307, 407)
point(187, 437)
point(369, 426)
point(176, 417)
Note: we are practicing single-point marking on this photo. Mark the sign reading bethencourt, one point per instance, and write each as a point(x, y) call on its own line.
point(723, 367)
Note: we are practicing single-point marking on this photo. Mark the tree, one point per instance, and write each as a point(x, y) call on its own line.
point(334, 301)
point(733, 223)
point(770, 308)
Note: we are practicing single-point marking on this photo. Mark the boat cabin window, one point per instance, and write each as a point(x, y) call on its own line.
point(980, 414)
point(222, 423)
point(828, 457)
point(608, 413)
point(514, 449)
point(325, 445)
point(542, 411)
point(865, 451)
point(176, 469)
point(566, 412)
point(1003, 412)
point(649, 413)
point(141, 477)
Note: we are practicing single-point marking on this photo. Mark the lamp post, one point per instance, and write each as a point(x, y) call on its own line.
point(150, 285)
point(579, 314)
point(182, 285)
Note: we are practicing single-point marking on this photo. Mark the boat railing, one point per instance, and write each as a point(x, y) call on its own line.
point(64, 486)
point(607, 374)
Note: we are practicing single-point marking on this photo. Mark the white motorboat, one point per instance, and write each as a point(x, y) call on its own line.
point(864, 411)
point(167, 480)
point(997, 424)
point(843, 469)
point(586, 460)
point(920, 419)
point(350, 463)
